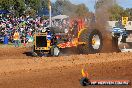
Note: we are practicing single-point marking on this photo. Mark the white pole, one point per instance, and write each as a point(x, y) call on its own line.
point(95, 5)
point(50, 15)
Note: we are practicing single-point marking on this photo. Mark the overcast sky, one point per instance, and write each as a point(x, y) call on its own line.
point(90, 3)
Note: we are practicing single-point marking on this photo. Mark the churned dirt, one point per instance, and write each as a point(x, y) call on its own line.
point(20, 70)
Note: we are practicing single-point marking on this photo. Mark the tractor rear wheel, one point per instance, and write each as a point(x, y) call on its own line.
point(93, 40)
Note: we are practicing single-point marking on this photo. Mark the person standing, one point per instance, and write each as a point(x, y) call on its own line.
point(16, 38)
point(5, 38)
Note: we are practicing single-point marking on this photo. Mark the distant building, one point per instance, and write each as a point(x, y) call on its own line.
point(114, 24)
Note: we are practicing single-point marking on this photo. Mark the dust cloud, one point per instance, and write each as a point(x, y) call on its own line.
point(102, 15)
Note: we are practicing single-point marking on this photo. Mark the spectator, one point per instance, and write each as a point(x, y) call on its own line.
point(16, 38)
point(25, 26)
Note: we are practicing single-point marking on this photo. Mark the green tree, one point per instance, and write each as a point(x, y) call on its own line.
point(117, 12)
point(45, 4)
point(6, 4)
point(82, 10)
point(128, 11)
point(34, 4)
point(67, 8)
point(19, 7)
point(31, 12)
point(62, 7)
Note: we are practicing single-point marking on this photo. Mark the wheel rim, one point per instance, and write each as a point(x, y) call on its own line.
point(56, 51)
point(96, 42)
point(122, 46)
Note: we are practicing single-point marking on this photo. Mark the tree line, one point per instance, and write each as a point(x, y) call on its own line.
point(118, 12)
point(33, 7)
point(115, 10)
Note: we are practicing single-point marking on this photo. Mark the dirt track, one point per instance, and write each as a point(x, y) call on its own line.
point(20, 71)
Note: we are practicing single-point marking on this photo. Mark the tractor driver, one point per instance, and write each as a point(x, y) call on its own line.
point(50, 36)
point(75, 29)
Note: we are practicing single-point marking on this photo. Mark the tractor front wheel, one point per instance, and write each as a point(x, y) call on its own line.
point(55, 51)
point(34, 53)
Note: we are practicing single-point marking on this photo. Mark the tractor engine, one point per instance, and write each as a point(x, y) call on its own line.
point(45, 43)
